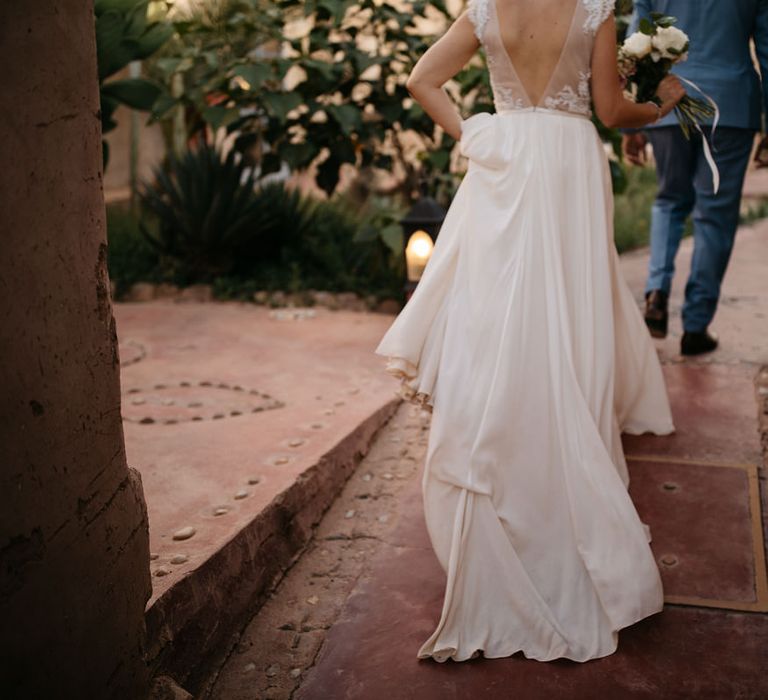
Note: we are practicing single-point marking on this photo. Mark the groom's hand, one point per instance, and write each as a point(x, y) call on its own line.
point(761, 154)
point(633, 146)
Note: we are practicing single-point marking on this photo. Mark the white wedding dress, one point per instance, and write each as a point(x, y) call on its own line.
point(526, 344)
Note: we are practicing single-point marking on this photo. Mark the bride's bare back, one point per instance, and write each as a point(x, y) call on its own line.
point(534, 35)
point(539, 51)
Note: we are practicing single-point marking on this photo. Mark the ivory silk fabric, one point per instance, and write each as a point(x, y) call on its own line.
point(526, 344)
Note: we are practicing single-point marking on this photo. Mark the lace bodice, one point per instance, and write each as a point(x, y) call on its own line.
point(569, 86)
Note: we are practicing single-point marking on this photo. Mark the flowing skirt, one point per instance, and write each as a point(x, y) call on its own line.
point(526, 344)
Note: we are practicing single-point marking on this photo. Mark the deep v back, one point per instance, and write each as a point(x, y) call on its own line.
point(563, 83)
point(539, 39)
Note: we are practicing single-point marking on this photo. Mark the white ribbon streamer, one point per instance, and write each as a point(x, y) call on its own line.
point(707, 150)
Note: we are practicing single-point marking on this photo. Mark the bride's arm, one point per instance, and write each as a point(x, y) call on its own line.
point(446, 57)
point(613, 109)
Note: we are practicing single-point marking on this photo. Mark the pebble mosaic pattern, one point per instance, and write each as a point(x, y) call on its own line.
point(196, 398)
point(131, 352)
point(180, 402)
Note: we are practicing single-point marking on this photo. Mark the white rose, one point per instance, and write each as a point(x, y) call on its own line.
point(638, 45)
point(670, 42)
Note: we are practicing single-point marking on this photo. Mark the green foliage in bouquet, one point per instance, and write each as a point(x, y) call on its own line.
point(124, 34)
point(623, 12)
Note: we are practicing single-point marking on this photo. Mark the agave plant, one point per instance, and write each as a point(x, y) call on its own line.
point(212, 217)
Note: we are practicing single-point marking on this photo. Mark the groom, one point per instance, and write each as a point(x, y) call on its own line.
point(720, 64)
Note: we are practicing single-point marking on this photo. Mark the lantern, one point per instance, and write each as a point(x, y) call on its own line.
point(420, 226)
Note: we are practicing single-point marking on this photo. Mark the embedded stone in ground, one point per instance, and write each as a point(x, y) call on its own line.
point(184, 533)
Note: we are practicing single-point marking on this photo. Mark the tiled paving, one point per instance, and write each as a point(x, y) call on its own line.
point(705, 522)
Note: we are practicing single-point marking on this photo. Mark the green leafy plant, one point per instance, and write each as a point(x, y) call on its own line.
point(129, 257)
point(211, 219)
point(318, 83)
point(207, 218)
point(124, 34)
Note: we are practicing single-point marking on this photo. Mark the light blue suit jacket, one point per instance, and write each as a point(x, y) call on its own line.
point(719, 61)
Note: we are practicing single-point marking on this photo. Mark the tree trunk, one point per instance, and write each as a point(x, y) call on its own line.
point(74, 562)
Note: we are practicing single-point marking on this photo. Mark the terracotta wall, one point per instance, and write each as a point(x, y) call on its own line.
point(74, 565)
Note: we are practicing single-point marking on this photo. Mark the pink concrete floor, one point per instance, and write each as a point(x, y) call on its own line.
point(315, 380)
point(698, 492)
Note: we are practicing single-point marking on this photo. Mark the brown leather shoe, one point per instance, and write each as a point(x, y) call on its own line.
point(656, 314)
point(697, 343)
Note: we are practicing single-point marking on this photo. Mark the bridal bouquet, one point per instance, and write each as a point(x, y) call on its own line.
point(647, 56)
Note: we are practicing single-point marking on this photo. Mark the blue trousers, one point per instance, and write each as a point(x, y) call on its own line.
point(685, 187)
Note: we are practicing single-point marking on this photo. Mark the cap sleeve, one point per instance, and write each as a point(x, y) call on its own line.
point(597, 12)
point(477, 11)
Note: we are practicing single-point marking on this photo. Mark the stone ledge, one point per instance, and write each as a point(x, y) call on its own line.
point(142, 292)
point(208, 605)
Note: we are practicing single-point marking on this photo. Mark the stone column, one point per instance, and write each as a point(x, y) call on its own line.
point(74, 562)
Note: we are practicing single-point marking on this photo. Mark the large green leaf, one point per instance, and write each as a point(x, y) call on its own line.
point(336, 8)
point(325, 69)
point(392, 235)
point(348, 116)
point(169, 65)
point(108, 107)
point(137, 93)
point(137, 20)
point(646, 26)
point(218, 116)
point(280, 103)
point(151, 40)
point(440, 159)
point(122, 6)
point(299, 155)
point(253, 73)
point(112, 53)
point(164, 104)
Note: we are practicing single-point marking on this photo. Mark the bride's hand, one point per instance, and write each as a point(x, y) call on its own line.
point(670, 92)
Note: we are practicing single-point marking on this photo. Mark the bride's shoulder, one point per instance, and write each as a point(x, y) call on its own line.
point(477, 11)
point(597, 12)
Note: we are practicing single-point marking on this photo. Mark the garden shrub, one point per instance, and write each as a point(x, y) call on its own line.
point(129, 258)
point(207, 219)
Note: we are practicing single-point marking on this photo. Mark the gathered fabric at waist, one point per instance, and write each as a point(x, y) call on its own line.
point(543, 110)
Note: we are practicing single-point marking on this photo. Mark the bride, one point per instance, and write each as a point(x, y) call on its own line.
point(526, 344)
